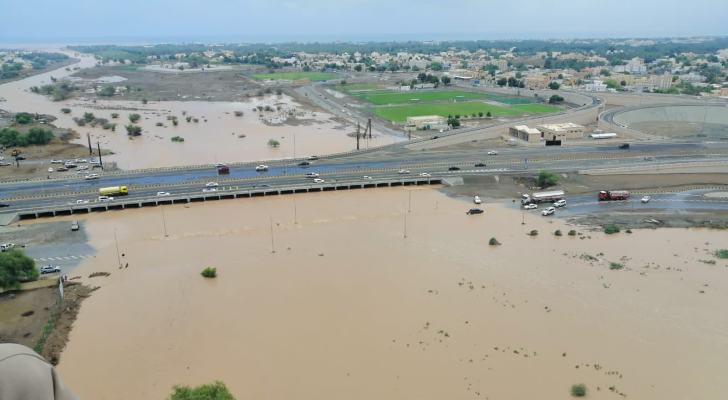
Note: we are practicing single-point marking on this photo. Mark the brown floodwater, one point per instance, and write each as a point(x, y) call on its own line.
point(213, 139)
point(347, 307)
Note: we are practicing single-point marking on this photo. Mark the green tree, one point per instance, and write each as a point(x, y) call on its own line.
point(612, 84)
point(488, 114)
point(106, 91)
point(623, 83)
point(554, 86)
point(605, 72)
point(416, 68)
point(144, 101)
point(554, 99)
point(454, 122)
point(273, 143)
point(134, 117)
point(480, 114)
point(357, 68)
point(88, 117)
point(436, 66)
point(133, 130)
point(23, 118)
point(519, 75)
point(215, 391)
point(502, 82)
point(306, 68)
point(446, 80)
point(343, 82)
point(37, 135)
point(546, 179)
point(561, 76)
point(16, 267)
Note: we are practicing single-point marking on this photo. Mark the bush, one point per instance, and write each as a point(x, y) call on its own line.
point(611, 229)
point(66, 110)
point(79, 121)
point(239, 113)
point(177, 139)
point(145, 101)
point(106, 126)
point(215, 391)
point(572, 233)
point(114, 115)
point(546, 178)
point(721, 253)
point(614, 265)
point(629, 231)
point(578, 390)
point(107, 91)
point(493, 242)
point(113, 127)
point(268, 91)
point(195, 120)
point(273, 143)
point(159, 124)
point(533, 233)
point(133, 130)
point(134, 117)
point(209, 272)
point(175, 122)
point(15, 267)
point(558, 233)
point(279, 92)
point(188, 118)
point(488, 114)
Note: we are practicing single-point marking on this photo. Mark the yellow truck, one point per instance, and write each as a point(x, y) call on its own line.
point(114, 191)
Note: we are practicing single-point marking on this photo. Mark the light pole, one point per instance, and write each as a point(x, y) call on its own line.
point(295, 209)
point(294, 145)
point(128, 174)
point(164, 221)
point(405, 221)
point(118, 257)
point(272, 246)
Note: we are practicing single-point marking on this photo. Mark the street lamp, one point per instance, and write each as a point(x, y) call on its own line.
point(118, 257)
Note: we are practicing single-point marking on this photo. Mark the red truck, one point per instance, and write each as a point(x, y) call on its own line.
point(613, 195)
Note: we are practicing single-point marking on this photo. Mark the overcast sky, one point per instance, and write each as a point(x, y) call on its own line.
point(281, 20)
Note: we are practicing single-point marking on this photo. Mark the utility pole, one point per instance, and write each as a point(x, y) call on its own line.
point(164, 221)
point(98, 146)
point(409, 208)
point(369, 125)
point(272, 246)
point(358, 126)
point(118, 257)
point(295, 209)
point(405, 221)
point(88, 136)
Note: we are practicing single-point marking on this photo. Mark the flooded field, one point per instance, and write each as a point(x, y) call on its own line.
point(347, 307)
point(217, 137)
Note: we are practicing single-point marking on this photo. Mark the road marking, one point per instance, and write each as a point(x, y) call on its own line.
point(42, 259)
point(66, 258)
point(74, 257)
point(82, 256)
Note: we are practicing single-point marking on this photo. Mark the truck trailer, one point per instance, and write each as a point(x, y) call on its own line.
point(614, 195)
point(114, 191)
point(542, 197)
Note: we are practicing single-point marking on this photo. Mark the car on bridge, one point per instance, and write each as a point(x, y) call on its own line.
point(92, 176)
point(50, 169)
point(70, 165)
point(61, 169)
point(548, 211)
point(81, 160)
point(260, 168)
point(492, 153)
point(367, 178)
point(211, 184)
point(159, 194)
point(530, 206)
point(209, 190)
point(81, 201)
point(650, 159)
point(318, 180)
point(312, 175)
point(403, 171)
point(304, 164)
point(624, 146)
point(49, 269)
point(83, 168)
point(425, 175)
point(56, 161)
point(453, 168)
point(220, 165)
point(474, 211)
point(480, 164)
point(105, 198)
point(313, 158)
point(5, 164)
point(4, 205)
point(20, 157)
point(646, 199)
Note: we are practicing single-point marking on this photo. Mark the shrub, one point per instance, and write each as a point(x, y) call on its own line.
point(629, 231)
point(721, 253)
point(611, 229)
point(66, 110)
point(80, 121)
point(215, 391)
point(133, 130)
point(259, 93)
point(480, 114)
point(209, 272)
point(572, 233)
point(533, 233)
point(177, 139)
point(488, 114)
point(106, 126)
point(558, 233)
point(134, 117)
point(145, 101)
point(107, 91)
point(279, 92)
point(113, 127)
point(268, 91)
point(273, 143)
point(195, 120)
point(188, 118)
point(493, 242)
point(578, 390)
point(175, 122)
point(614, 265)
point(159, 124)
point(89, 116)
point(238, 113)
point(114, 115)
point(546, 178)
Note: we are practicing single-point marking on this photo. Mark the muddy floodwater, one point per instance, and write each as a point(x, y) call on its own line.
point(217, 137)
point(347, 307)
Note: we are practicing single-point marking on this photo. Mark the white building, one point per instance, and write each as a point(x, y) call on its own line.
point(596, 86)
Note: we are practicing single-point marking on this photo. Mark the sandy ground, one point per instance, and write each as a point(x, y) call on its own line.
point(347, 307)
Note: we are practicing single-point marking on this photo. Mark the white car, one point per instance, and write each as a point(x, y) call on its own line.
point(492, 153)
point(162, 194)
point(313, 158)
point(50, 169)
point(403, 171)
point(560, 203)
point(646, 199)
point(425, 175)
point(261, 168)
point(548, 211)
point(105, 198)
point(92, 176)
point(367, 178)
point(49, 269)
point(219, 165)
point(312, 175)
point(2, 158)
point(7, 246)
point(81, 160)
point(211, 184)
point(477, 200)
point(81, 201)
point(209, 190)
point(318, 180)
point(83, 168)
point(56, 161)
point(531, 206)
point(82, 171)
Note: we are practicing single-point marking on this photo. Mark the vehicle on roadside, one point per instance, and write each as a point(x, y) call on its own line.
point(425, 175)
point(317, 180)
point(92, 176)
point(530, 206)
point(105, 198)
point(5, 164)
point(480, 164)
point(477, 200)
point(312, 158)
point(624, 146)
point(211, 184)
point(61, 169)
point(50, 169)
point(209, 190)
point(542, 197)
point(649, 159)
point(95, 162)
point(367, 178)
point(646, 199)
point(4, 205)
point(115, 190)
point(159, 194)
point(304, 164)
point(83, 168)
point(74, 225)
point(81, 201)
point(548, 211)
point(312, 175)
point(492, 153)
point(81, 160)
point(260, 168)
point(453, 168)
point(7, 246)
point(56, 161)
point(613, 195)
point(82, 171)
point(473, 211)
point(560, 203)
point(403, 171)
point(262, 185)
point(49, 269)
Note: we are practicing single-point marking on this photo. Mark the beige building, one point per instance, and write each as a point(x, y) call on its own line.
point(426, 122)
point(724, 92)
point(537, 82)
point(563, 131)
point(531, 135)
point(661, 81)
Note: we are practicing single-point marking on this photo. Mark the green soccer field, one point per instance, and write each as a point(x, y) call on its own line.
point(400, 113)
point(537, 108)
point(313, 76)
point(511, 100)
point(421, 97)
point(356, 87)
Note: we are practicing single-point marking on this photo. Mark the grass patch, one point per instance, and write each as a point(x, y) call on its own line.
point(578, 390)
point(314, 76)
point(209, 272)
point(536, 108)
point(400, 113)
point(423, 97)
point(131, 67)
point(614, 265)
point(511, 100)
point(356, 87)
point(721, 253)
point(214, 391)
point(712, 262)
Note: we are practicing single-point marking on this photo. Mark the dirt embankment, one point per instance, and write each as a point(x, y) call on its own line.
point(40, 319)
